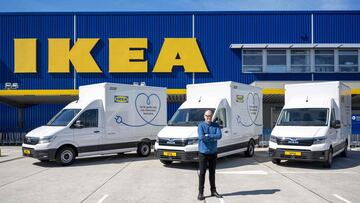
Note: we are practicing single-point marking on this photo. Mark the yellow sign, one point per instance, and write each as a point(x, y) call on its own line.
point(121, 99)
point(126, 55)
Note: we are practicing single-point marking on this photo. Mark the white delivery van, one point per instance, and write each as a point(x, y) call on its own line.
point(107, 118)
point(237, 109)
point(314, 124)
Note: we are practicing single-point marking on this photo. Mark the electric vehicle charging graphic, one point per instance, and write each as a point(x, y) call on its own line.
point(252, 109)
point(147, 107)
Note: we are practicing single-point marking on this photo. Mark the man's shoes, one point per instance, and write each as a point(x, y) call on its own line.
point(216, 194)
point(201, 196)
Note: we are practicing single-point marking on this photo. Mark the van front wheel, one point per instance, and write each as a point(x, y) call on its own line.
point(144, 149)
point(276, 161)
point(65, 156)
point(166, 162)
point(328, 162)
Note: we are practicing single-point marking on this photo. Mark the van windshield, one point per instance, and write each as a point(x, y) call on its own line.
point(63, 117)
point(304, 117)
point(188, 117)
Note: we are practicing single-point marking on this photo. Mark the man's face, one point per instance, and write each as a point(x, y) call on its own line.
point(208, 116)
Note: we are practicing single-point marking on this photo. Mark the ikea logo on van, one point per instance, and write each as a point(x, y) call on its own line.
point(121, 99)
point(240, 98)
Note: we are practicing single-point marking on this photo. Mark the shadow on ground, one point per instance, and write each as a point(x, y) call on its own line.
point(253, 192)
point(99, 160)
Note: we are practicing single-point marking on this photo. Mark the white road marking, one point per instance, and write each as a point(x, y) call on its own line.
point(318, 172)
point(341, 198)
point(221, 200)
point(260, 172)
point(243, 172)
point(103, 198)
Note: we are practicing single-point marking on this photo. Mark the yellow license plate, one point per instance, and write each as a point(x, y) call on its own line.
point(26, 151)
point(292, 153)
point(169, 153)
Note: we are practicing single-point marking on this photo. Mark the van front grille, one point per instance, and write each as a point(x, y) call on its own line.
point(31, 140)
point(295, 141)
point(172, 142)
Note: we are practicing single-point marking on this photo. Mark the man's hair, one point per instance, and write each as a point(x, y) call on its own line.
point(209, 111)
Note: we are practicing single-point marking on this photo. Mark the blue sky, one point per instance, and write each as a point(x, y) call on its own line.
point(175, 5)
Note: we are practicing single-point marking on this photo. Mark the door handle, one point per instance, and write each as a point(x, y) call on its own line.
point(226, 131)
point(96, 131)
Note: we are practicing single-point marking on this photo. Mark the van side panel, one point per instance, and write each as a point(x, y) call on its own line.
point(134, 113)
point(247, 118)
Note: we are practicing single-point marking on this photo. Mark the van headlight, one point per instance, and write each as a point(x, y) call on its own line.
point(319, 140)
point(45, 140)
point(192, 141)
point(273, 139)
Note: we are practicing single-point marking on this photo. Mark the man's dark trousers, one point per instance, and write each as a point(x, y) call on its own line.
point(204, 161)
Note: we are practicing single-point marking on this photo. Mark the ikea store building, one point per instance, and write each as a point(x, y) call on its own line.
point(45, 57)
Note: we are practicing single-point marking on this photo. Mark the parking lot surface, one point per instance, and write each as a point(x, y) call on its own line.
point(128, 178)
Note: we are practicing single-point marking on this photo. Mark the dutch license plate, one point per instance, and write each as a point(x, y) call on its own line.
point(169, 153)
point(292, 153)
point(26, 151)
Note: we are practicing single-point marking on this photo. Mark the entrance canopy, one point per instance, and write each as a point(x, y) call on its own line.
point(273, 92)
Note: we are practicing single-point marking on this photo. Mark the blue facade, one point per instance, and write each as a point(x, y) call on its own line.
point(214, 31)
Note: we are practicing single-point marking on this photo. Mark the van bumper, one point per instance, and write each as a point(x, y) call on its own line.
point(48, 154)
point(183, 156)
point(306, 155)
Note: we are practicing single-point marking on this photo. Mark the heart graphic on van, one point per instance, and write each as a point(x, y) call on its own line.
point(147, 106)
point(253, 106)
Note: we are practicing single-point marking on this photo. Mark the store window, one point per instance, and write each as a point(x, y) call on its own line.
point(252, 61)
point(276, 61)
point(300, 61)
point(324, 61)
point(348, 60)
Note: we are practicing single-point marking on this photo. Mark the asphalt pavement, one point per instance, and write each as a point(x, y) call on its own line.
point(129, 178)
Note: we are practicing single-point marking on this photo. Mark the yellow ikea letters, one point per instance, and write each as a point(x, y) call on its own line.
point(25, 55)
point(126, 55)
point(60, 54)
point(180, 52)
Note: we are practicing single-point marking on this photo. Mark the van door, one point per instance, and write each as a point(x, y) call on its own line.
point(87, 133)
point(222, 118)
point(333, 133)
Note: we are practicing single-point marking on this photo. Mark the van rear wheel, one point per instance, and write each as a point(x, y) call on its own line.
point(344, 153)
point(65, 156)
point(251, 149)
point(144, 149)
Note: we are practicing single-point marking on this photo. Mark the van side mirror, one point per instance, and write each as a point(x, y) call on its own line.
point(220, 123)
point(78, 124)
point(335, 124)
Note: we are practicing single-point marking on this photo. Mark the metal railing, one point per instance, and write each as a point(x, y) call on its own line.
point(265, 137)
point(355, 140)
point(12, 138)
